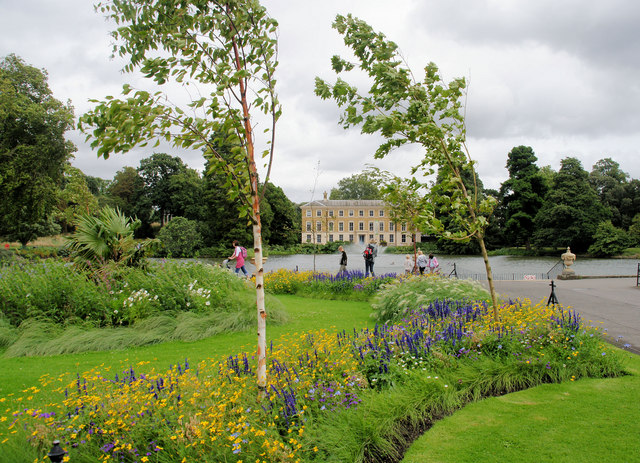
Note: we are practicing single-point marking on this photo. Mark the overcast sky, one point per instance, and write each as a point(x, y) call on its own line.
point(561, 77)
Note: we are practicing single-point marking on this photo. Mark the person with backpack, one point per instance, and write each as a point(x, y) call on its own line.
point(369, 255)
point(239, 254)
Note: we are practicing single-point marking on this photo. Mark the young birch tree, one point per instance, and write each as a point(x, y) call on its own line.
point(404, 110)
point(222, 53)
point(406, 203)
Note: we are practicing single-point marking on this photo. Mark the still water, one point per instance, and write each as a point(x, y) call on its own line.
point(503, 267)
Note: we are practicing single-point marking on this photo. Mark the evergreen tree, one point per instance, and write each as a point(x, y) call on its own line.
point(571, 211)
point(522, 195)
point(126, 193)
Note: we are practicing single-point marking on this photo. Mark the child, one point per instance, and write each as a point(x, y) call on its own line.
point(408, 265)
point(433, 264)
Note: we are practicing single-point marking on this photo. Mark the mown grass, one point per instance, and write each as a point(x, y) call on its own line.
point(591, 420)
point(304, 314)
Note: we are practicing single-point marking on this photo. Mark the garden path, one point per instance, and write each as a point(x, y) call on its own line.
point(611, 303)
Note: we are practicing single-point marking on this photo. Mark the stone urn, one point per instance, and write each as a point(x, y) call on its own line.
point(568, 258)
point(253, 260)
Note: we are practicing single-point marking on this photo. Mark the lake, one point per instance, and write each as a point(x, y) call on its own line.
point(503, 267)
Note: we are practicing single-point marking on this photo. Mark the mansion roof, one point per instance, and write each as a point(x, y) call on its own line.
point(345, 203)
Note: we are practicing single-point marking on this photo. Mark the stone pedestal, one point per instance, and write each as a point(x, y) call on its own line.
point(568, 258)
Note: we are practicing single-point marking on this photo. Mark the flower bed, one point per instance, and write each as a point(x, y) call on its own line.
point(213, 412)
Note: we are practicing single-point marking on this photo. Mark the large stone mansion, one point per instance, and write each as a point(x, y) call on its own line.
point(357, 221)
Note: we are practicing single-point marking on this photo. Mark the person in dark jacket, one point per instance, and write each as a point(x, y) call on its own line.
point(343, 261)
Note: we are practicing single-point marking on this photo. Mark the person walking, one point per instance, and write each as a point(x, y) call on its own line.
point(433, 264)
point(239, 254)
point(343, 261)
point(369, 258)
point(422, 262)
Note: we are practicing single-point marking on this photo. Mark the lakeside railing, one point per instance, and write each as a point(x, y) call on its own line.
point(551, 274)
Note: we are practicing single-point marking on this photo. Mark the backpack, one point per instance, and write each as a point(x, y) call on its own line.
point(368, 254)
point(243, 252)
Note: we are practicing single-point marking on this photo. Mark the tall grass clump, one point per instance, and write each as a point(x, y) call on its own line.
point(53, 307)
point(399, 298)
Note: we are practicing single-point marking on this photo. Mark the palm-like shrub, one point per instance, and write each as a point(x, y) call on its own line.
point(107, 238)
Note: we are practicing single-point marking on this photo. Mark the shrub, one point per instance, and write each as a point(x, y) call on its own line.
point(609, 240)
point(51, 290)
point(634, 231)
point(180, 237)
point(57, 295)
point(395, 300)
point(349, 285)
point(285, 281)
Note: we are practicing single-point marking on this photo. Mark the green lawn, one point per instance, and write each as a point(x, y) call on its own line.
point(16, 374)
point(591, 420)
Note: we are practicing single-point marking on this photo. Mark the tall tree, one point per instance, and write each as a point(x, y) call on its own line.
point(458, 243)
point(404, 110)
point(186, 190)
point(127, 194)
point(33, 150)
point(284, 229)
point(610, 181)
point(74, 199)
point(522, 195)
point(571, 211)
point(156, 172)
point(358, 186)
point(405, 202)
point(227, 50)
